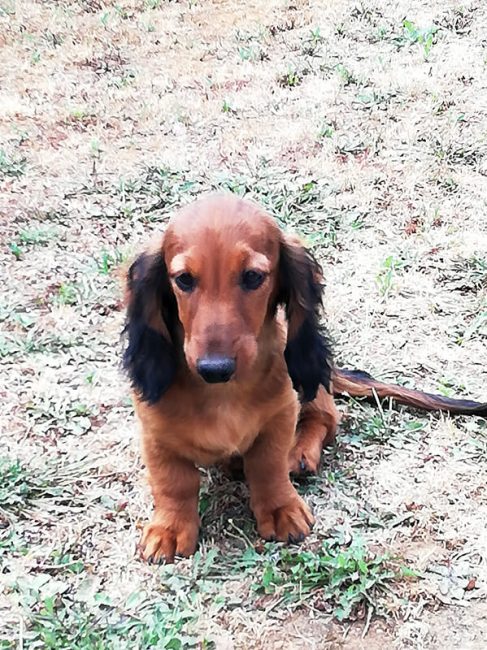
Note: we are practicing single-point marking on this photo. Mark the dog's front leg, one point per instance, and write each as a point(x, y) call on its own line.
point(280, 512)
point(175, 487)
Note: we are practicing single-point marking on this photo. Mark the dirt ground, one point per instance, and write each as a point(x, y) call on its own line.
point(359, 125)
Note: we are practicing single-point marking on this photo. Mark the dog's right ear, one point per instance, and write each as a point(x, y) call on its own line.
point(150, 356)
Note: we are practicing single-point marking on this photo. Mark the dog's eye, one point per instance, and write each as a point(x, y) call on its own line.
point(252, 280)
point(185, 282)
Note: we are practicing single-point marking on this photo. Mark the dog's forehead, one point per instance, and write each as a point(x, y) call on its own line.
point(224, 222)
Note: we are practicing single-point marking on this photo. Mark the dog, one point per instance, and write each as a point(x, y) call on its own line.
point(228, 358)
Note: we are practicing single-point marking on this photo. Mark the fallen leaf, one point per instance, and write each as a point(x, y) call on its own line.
point(471, 584)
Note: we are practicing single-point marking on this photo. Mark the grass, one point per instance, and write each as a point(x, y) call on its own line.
point(35, 236)
point(312, 45)
point(24, 487)
point(326, 131)
point(347, 77)
point(391, 266)
point(469, 274)
point(227, 108)
point(360, 128)
point(64, 415)
point(379, 425)
point(18, 486)
point(339, 579)
point(293, 200)
point(477, 326)
point(292, 78)
point(252, 53)
point(110, 260)
point(11, 166)
point(58, 621)
point(67, 294)
point(12, 345)
point(425, 36)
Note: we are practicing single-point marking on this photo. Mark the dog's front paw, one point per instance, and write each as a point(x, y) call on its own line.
point(161, 542)
point(290, 523)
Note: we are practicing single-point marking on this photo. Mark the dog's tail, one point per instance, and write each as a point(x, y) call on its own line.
point(356, 383)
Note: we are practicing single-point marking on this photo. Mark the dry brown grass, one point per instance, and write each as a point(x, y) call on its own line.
point(113, 113)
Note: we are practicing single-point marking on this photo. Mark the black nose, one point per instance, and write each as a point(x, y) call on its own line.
point(215, 370)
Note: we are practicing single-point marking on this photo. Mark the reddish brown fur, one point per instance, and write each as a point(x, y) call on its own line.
point(214, 240)
point(359, 384)
point(256, 415)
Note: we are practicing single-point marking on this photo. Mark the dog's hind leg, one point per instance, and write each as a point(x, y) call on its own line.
point(317, 425)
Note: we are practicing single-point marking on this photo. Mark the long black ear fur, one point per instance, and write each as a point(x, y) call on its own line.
point(150, 358)
point(308, 354)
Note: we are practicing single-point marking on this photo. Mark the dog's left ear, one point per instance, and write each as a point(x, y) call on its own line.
point(308, 354)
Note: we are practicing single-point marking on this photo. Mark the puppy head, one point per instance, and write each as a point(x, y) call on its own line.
point(221, 254)
point(203, 297)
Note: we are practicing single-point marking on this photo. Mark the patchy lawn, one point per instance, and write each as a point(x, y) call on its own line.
point(363, 127)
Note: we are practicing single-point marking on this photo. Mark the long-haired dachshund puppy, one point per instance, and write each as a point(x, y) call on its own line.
point(227, 357)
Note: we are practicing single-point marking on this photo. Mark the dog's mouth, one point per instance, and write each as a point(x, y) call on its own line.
point(216, 369)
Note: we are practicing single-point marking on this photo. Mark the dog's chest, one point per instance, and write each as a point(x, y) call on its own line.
point(217, 432)
point(210, 426)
